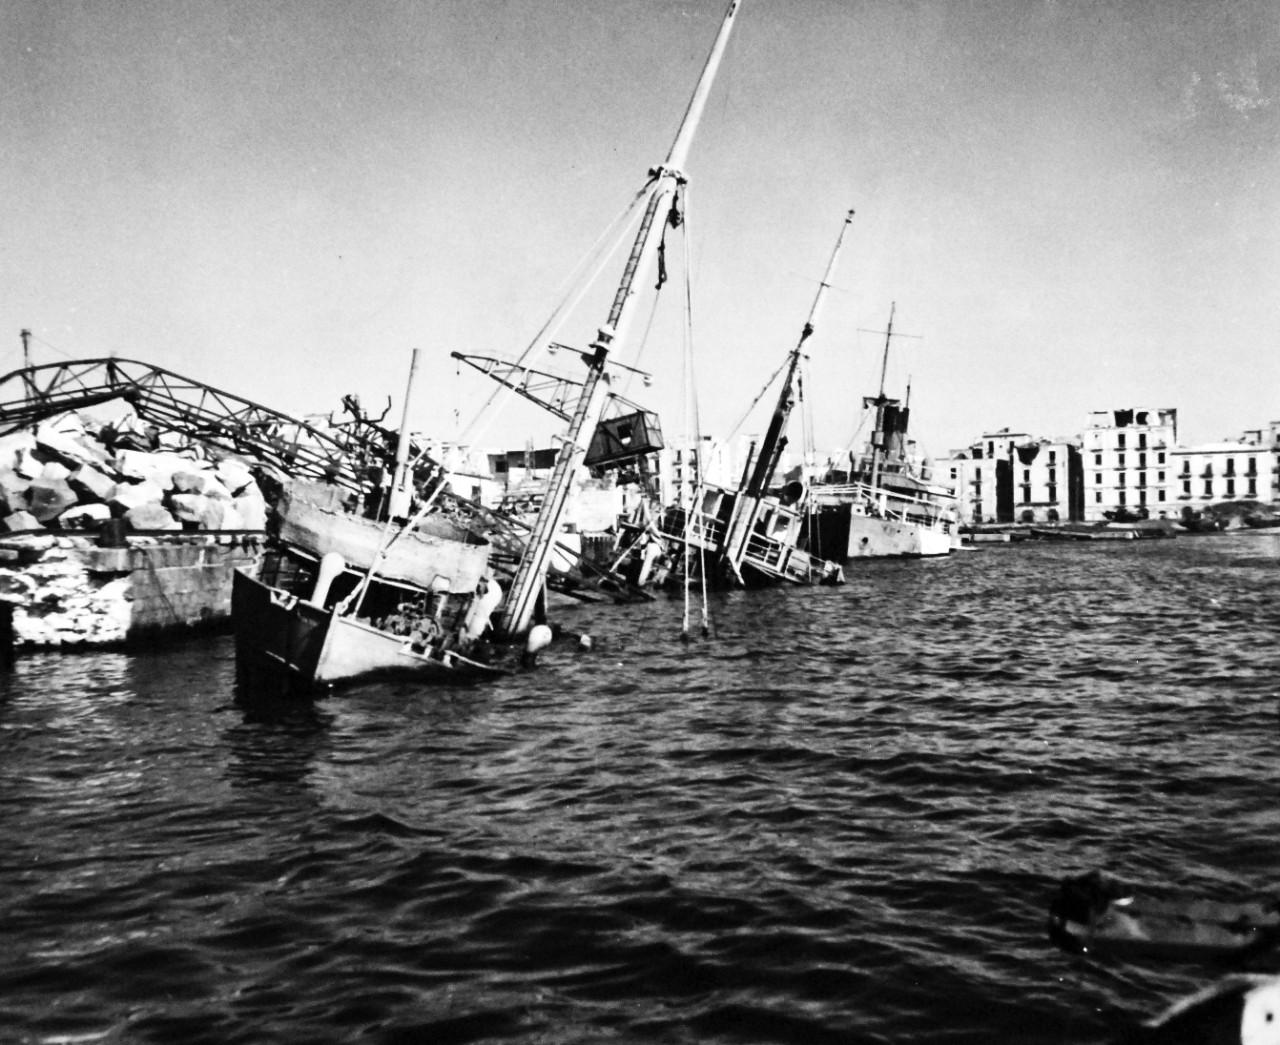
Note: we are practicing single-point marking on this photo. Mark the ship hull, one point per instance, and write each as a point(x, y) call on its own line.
point(844, 532)
point(285, 646)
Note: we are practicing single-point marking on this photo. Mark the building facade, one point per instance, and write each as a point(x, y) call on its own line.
point(1127, 464)
point(981, 478)
point(1217, 473)
point(1048, 482)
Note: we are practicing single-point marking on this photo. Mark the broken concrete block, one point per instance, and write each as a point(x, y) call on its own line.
point(84, 517)
point(134, 495)
point(205, 483)
point(234, 475)
point(188, 507)
point(49, 498)
point(55, 470)
point(52, 445)
point(135, 464)
point(13, 493)
point(252, 509)
point(91, 485)
point(213, 488)
point(151, 517)
point(232, 519)
point(20, 521)
point(27, 464)
point(213, 514)
point(158, 467)
point(12, 445)
point(188, 482)
point(220, 515)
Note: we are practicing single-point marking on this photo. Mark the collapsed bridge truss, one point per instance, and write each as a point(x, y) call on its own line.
point(197, 413)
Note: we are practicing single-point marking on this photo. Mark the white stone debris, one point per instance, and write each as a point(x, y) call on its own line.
point(73, 496)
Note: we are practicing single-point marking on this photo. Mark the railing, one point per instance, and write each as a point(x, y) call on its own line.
point(903, 507)
point(782, 560)
point(699, 529)
point(766, 554)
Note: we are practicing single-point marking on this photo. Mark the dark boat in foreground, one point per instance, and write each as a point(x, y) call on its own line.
point(342, 596)
point(288, 642)
point(1096, 914)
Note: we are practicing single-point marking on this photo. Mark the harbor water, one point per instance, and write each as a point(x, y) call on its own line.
point(838, 818)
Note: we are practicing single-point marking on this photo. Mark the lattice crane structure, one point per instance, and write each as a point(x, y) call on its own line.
point(196, 412)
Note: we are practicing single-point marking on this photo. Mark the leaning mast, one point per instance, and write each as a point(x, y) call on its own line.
point(747, 506)
point(530, 579)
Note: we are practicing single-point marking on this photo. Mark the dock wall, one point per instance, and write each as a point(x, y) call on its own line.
point(65, 591)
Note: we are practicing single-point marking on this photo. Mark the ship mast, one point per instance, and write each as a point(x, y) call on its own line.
point(879, 437)
point(891, 415)
point(747, 505)
point(530, 579)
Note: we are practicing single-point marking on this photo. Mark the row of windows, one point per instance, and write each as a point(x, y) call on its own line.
point(1051, 491)
point(1120, 460)
point(1207, 476)
point(1142, 478)
point(1142, 440)
point(1122, 440)
point(1142, 497)
point(1230, 469)
point(1230, 491)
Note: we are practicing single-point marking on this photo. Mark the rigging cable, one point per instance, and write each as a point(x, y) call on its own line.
point(767, 385)
point(596, 256)
point(691, 396)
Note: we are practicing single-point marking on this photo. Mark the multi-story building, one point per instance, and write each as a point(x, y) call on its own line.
point(1048, 483)
point(956, 472)
point(1127, 469)
point(1213, 473)
point(981, 477)
point(1269, 438)
point(1127, 465)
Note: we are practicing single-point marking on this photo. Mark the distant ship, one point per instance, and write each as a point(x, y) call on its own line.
point(884, 506)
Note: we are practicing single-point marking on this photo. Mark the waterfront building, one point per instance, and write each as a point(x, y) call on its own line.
point(1127, 465)
point(1048, 482)
point(956, 473)
point(981, 477)
point(1216, 473)
point(1127, 470)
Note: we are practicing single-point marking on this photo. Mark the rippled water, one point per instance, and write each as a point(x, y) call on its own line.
point(841, 818)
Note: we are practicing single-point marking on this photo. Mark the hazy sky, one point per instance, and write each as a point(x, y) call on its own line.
point(1074, 204)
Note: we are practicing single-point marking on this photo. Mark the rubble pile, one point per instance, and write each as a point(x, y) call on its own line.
point(74, 474)
point(58, 601)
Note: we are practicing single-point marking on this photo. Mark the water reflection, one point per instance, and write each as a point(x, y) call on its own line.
point(275, 742)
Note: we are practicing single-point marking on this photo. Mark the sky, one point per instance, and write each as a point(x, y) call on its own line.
point(1072, 206)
